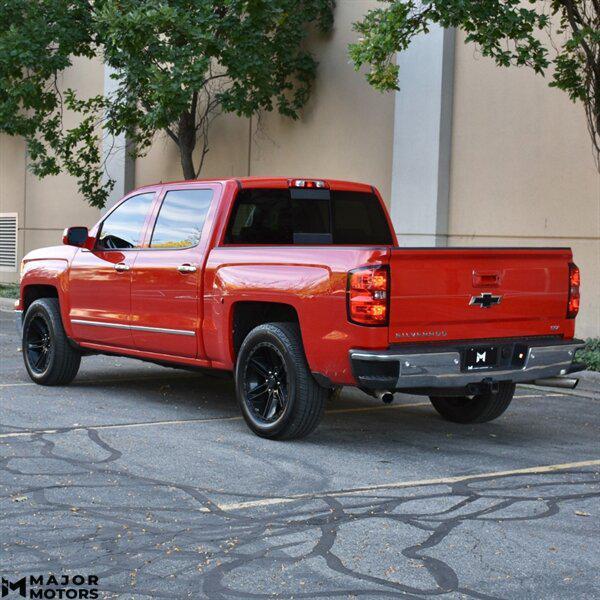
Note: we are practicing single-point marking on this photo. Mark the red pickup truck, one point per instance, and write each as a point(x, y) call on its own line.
point(298, 287)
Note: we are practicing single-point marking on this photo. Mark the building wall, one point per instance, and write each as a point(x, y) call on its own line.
point(12, 190)
point(522, 170)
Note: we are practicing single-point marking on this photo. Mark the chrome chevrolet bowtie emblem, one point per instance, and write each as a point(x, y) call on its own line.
point(485, 300)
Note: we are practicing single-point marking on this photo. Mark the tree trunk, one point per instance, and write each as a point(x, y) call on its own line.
point(187, 143)
point(187, 162)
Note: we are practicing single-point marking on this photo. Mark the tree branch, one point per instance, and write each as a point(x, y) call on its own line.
point(575, 20)
point(172, 135)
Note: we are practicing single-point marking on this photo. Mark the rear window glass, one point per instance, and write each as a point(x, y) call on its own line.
point(359, 219)
point(275, 216)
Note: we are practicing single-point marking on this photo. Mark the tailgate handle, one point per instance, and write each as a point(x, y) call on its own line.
point(486, 279)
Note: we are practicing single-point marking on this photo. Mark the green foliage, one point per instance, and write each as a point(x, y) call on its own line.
point(9, 290)
point(38, 41)
point(590, 355)
point(512, 32)
point(177, 65)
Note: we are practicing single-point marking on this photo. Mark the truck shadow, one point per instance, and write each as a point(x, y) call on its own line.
point(353, 413)
point(410, 421)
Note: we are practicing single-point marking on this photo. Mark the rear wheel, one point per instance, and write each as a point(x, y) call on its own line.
point(278, 396)
point(475, 409)
point(49, 358)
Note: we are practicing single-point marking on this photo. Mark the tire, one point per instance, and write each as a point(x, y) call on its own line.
point(48, 356)
point(278, 396)
point(475, 409)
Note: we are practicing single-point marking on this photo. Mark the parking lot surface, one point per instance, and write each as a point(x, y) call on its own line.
point(148, 478)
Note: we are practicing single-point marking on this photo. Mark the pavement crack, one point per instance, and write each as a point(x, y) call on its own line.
point(123, 522)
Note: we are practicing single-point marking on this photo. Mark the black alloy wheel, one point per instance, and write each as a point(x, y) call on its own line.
point(38, 344)
point(266, 384)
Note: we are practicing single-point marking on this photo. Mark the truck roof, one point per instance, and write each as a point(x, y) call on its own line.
point(270, 182)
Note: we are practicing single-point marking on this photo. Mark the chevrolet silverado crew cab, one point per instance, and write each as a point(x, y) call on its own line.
point(298, 287)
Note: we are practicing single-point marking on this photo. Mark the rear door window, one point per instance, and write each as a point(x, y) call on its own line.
point(181, 219)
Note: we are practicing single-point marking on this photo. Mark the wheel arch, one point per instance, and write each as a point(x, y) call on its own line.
point(35, 291)
point(248, 314)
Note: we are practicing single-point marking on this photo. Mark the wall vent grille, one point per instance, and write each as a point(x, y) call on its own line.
point(8, 241)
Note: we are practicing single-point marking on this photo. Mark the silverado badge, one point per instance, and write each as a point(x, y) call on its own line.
point(485, 300)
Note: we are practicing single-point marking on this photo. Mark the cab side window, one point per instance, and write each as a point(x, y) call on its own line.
point(181, 219)
point(124, 227)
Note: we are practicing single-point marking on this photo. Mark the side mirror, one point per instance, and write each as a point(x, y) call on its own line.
point(75, 236)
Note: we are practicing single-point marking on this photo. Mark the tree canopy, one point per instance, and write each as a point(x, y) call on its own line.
point(177, 64)
point(559, 36)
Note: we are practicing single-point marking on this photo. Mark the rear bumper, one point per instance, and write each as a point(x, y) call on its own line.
point(438, 366)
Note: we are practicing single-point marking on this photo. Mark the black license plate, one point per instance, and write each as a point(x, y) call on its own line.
point(480, 358)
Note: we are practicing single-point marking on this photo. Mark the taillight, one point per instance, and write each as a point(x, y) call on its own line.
point(574, 282)
point(368, 296)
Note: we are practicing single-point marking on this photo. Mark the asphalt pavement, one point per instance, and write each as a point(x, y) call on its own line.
point(147, 478)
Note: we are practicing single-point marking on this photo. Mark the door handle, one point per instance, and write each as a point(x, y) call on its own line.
point(121, 267)
point(186, 268)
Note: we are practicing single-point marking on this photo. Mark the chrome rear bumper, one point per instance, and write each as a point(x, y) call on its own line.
point(442, 366)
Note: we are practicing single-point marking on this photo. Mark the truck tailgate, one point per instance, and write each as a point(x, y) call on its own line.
point(473, 293)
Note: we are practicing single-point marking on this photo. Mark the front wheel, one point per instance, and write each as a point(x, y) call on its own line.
point(49, 358)
point(475, 409)
point(278, 396)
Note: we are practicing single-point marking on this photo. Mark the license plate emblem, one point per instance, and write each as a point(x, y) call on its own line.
point(481, 357)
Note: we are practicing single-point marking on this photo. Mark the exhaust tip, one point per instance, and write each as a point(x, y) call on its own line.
point(565, 383)
point(386, 397)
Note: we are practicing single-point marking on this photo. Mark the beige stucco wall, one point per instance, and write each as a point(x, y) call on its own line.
point(522, 170)
point(12, 189)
